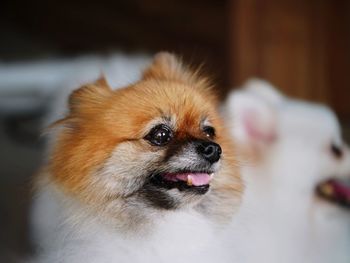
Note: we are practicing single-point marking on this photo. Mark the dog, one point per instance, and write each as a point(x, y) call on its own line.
point(143, 173)
point(294, 162)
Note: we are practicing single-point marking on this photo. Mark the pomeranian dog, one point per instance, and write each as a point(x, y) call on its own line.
point(293, 164)
point(144, 173)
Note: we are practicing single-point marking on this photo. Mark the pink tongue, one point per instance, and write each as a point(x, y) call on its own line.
point(341, 190)
point(197, 179)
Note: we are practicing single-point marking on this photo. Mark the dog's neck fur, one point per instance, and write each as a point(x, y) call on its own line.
point(60, 221)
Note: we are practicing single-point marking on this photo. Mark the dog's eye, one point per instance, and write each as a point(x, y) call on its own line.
point(159, 135)
point(209, 132)
point(336, 151)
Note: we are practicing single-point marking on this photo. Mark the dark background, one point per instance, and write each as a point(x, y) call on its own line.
point(303, 47)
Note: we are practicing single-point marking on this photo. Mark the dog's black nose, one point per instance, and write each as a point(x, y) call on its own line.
point(211, 151)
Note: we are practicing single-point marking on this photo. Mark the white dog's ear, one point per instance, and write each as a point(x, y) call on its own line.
point(264, 90)
point(253, 121)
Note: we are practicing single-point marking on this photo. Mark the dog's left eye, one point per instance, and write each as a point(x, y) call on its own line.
point(209, 132)
point(159, 135)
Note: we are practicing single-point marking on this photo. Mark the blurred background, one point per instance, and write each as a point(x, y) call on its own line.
point(301, 46)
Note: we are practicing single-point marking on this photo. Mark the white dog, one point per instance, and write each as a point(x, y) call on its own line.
point(290, 149)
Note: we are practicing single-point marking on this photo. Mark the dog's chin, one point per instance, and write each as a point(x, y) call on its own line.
point(335, 191)
point(172, 190)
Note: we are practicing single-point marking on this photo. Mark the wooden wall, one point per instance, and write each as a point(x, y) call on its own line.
point(301, 46)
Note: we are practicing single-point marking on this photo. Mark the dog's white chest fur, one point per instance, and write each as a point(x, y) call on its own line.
point(184, 236)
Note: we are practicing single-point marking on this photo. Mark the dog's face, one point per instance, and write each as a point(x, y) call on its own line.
point(156, 144)
point(169, 150)
point(295, 144)
point(323, 154)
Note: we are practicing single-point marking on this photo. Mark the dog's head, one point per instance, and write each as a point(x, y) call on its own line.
point(157, 144)
point(293, 143)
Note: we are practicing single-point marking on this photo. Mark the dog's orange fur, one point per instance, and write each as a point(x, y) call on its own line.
point(101, 118)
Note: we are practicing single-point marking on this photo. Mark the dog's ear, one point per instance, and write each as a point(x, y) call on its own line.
point(264, 90)
point(167, 66)
point(89, 96)
point(253, 120)
point(83, 102)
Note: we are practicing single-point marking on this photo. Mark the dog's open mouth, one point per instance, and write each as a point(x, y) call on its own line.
point(196, 182)
point(335, 191)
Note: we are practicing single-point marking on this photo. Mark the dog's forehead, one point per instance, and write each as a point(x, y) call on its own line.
point(177, 103)
point(136, 109)
point(312, 120)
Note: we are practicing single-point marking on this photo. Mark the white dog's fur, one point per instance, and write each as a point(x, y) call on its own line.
point(286, 144)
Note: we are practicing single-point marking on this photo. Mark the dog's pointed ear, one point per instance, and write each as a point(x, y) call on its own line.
point(254, 121)
point(167, 66)
point(89, 95)
point(264, 90)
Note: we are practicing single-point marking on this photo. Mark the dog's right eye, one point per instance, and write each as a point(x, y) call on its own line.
point(159, 135)
point(336, 151)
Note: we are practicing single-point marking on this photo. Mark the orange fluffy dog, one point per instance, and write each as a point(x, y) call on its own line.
point(145, 173)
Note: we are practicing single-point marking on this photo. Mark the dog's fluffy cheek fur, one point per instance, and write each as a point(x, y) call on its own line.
point(126, 170)
point(122, 182)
